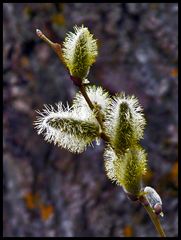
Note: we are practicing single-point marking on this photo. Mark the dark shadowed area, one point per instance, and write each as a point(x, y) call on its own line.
point(51, 192)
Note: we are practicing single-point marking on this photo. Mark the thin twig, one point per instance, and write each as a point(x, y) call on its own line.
point(152, 215)
point(57, 48)
point(84, 94)
point(155, 220)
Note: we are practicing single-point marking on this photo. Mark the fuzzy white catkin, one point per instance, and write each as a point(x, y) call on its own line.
point(137, 118)
point(110, 159)
point(74, 138)
point(79, 52)
point(126, 170)
point(98, 96)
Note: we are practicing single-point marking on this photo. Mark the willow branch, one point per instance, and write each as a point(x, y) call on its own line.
point(78, 82)
point(84, 94)
point(55, 46)
point(154, 218)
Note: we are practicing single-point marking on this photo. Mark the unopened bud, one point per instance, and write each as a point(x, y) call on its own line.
point(154, 200)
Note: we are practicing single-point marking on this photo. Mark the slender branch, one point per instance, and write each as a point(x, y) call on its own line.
point(152, 215)
point(84, 93)
point(77, 82)
point(155, 220)
point(55, 46)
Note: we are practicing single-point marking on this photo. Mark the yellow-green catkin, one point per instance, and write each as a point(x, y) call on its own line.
point(133, 167)
point(124, 122)
point(79, 52)
point(126, 169)
point(67, 127)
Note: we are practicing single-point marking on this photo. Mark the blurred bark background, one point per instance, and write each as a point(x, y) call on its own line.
point(49, 191)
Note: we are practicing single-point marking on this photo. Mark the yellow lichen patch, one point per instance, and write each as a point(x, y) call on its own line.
point(174, 72)
point(174, 173)
point(32, 200)
point(46, 211)
point(128, 231)
point(58, 19)
point(24, 62)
